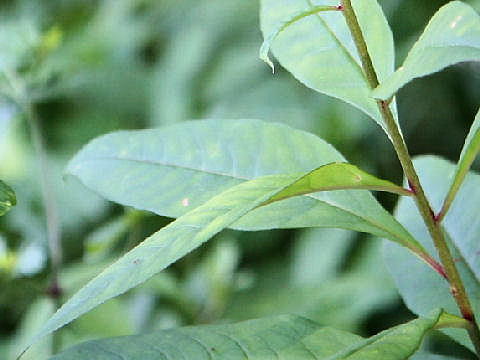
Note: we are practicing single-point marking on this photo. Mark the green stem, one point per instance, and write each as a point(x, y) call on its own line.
point(457, 288)
point(51, 213)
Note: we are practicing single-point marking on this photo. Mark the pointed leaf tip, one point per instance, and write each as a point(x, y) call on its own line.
point(263, 54)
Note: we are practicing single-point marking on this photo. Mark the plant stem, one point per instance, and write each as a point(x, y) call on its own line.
point(51, 213)
point(457, 288)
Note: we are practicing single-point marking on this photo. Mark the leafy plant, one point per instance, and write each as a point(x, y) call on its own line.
point(7, 198)
point(252, 175)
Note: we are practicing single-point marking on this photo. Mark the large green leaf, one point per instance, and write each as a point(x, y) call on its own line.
point(7, 198)
point(421, 288)
point(172, 170)
point(281, 337)
point(452, 36)
point(187, 233)
point(468, 155)
point(319, 51)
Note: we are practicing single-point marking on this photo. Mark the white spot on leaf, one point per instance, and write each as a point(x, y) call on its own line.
point(185, 202)
point(456, 21)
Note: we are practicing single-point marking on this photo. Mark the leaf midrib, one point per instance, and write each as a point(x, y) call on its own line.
point(337, 40)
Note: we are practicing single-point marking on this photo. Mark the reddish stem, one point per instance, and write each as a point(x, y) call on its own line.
point(435, 265)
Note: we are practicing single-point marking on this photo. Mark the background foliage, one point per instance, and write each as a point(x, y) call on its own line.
point(98, 66)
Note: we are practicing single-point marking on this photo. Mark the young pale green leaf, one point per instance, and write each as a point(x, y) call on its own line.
point(319, 51)
point(280, 337)
point(467, 156)
point(346, 176)
point(7, 198)
point(185, 234)
point(452, 36)
point(172, 170)
point(421, 288)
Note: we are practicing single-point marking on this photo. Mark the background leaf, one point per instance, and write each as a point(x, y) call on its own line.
point(197, 160)
point(7, 198)
point(319, 52)
point(452, 36)
point(421, 288)
point(322, 283)
point(282, 337)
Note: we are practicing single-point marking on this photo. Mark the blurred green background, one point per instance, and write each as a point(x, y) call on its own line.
point(91, 67)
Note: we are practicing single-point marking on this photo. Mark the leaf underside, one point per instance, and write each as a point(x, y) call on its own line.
point(319, 51)
point(172, 170)
point(191, 230)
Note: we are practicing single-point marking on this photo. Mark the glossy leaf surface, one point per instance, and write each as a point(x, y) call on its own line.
point(281, 337)
point(468, 155)
point(452, 36)
point(421, 288)
point(7, 198)
point(319, 51)
point(172, 170)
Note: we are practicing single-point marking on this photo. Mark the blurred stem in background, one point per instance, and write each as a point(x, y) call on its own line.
point(51, 212)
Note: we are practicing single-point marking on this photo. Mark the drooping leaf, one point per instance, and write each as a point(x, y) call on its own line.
point(172, 170)
point(451, 36)
point(467, 156)
point(7, 198)
point(281, 337)
point(421, 288)
point(319, 51)
point(265, 48)
point(187, 233)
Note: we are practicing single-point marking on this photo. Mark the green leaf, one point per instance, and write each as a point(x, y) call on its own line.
point(467, 156)
point(281, 337)
point(421, 288)
point(7, 198)
point(451, 36)
point(182, 236)
point(319, 52)
point(172, 170)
